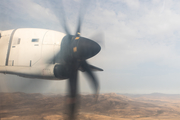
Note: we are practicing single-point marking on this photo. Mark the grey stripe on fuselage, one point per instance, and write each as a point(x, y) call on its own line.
point(9, 46)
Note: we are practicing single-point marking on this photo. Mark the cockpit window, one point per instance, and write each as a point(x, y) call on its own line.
point(35, 40)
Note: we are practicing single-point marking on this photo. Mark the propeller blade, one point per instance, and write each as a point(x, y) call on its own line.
point(73, 90)
point(94, 80)
point(78, 27)
point(63, 18)
point(82, 11)
point(57, 7)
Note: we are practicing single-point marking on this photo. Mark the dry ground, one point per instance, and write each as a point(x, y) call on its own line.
point(22, 106)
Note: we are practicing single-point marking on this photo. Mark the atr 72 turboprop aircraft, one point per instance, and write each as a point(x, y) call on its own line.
point(48, 54)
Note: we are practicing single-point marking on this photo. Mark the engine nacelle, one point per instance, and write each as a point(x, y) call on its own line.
point(61, 71)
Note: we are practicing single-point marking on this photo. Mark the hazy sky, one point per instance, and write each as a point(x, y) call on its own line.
point(142, 42)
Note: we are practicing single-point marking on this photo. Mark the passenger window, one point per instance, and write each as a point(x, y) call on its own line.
point(35, 40)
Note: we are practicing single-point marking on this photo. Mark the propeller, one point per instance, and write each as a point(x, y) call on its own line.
point(75, 50)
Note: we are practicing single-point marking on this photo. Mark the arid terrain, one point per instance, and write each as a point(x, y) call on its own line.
point(110, 106)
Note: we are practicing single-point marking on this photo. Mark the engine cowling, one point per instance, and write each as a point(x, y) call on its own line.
point(61, 71)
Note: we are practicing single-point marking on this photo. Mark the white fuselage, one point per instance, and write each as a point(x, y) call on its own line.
point(29, 52)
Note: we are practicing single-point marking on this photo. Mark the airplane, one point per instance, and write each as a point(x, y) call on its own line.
point(48, 54)
point(43, 53)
